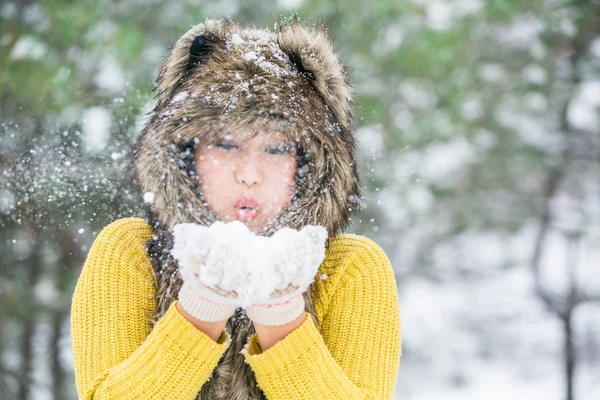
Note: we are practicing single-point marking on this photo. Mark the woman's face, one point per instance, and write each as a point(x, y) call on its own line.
point(250, 182)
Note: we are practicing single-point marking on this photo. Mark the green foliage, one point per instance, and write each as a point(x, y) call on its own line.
point(70, 21)
point(129, 43)
point(59, 187)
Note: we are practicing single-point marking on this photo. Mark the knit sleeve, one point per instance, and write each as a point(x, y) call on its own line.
point(358, 355)
point(116, 353)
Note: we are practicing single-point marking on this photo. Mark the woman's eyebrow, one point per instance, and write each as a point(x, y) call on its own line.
point(277, 141)
point(273, 138)
point(229, 139)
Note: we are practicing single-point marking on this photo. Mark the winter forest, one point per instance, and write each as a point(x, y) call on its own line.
point(478, 127)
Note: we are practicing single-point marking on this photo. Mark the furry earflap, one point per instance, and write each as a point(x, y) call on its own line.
point(199, 50)
point(312, 51)
point(176, 66)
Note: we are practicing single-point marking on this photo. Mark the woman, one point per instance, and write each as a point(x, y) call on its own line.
point(255, 126)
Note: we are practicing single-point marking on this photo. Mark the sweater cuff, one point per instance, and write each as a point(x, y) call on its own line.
point(302, 360)
point(176, 330)
point(290, 350)
point(253, 345)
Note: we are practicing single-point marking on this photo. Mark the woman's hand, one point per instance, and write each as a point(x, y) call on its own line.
point(269, 335)
point(302, 253)
point(194, 248)
point(225, 266)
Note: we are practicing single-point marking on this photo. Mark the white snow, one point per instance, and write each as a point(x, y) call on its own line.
point(7, 201)
point(491, 72)
point(473, 108)
point(256, 45)
point(535, 74)
point(370, 138)
point(45, 291)
point(144, 116)
point(440, 15)
point(148, 197)
point(390, 38)
point(237, 40)
point(28, 47)
point(510, 114)
point(595, 47)
point(583, 108)
point(230, 256)
point(249, 56)
point(245, 348)
point(419, 93)
point(180, 97)
point(290, 4)
point(110, 76)
point(522, 33)
point(535, 101)
point(96, 128)
point(441, 160)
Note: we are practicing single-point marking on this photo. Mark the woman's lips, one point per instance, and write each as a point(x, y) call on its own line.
point(246, 209)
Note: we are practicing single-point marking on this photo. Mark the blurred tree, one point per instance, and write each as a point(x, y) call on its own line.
point(475, 118)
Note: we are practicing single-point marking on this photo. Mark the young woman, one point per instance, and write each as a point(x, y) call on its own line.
point(255, 126)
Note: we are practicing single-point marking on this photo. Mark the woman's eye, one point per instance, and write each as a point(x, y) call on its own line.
point(224, 146)
point(278, 150)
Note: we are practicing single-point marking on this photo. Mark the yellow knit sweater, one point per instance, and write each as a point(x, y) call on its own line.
point(118, 356)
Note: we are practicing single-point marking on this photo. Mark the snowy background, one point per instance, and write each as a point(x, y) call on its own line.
point(479, 132)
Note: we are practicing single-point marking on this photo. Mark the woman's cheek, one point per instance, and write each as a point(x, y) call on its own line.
point(290, 172)
point(209, 177)
point(285, 183)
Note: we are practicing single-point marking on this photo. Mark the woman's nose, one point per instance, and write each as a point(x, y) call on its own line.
point(248, 172)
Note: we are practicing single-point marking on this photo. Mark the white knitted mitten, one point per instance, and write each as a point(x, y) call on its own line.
point(195, 247)
point(225, 266)
point(206, 303)
point(298, 255)
point(280, 309)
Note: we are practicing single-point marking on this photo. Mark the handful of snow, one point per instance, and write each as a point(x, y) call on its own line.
point(230, 256)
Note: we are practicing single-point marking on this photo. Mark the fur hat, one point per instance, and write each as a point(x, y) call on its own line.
point(221, 78)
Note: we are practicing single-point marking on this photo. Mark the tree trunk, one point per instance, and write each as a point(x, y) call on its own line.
point(569, 355)
point(58, 374)
point(34, 267)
